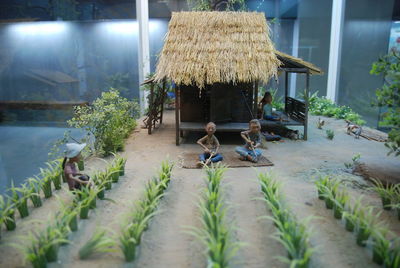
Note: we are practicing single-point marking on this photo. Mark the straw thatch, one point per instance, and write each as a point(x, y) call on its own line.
point(217, 47)
point(293, 62)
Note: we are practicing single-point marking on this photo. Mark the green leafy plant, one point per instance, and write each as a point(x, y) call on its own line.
point(34, 186)
point(323, 106)
point(7, 214)
point(119, 163)
point(143, 211)
point(46, 185)
point(292, 234)
point(330, 134)
point(98, 243)
point(109, 119)
point(20, 196)
point(209, 5)
point(389, 96)
point(387, 192)
point(215, 232)
point(322, 183)
point(355, 161)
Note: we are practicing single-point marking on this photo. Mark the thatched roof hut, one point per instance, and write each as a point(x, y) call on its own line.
point(203, 48)
point(289, 61)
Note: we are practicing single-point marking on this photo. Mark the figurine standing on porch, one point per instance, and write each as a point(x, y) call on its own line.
point(252, 137)
point(210, 144)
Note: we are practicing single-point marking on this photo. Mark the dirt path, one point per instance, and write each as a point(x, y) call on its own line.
point(242, 190)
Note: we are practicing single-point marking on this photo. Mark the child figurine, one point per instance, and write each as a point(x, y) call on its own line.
point(210, 145)
point(252, 137)
point(266, 104)
point(72, 156)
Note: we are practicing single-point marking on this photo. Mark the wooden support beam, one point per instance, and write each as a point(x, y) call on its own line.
point(177, 108)
point(307, 95)
point(163, 99)
point(255, 109)
point(286, 87)
point(151, 109)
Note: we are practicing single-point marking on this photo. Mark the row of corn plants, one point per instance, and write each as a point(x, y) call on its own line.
point(389, 194)
point(215, 233)
point(144, 210)
point(292, 234)
point(18, 197)
point(363, 220)
point(43, 247)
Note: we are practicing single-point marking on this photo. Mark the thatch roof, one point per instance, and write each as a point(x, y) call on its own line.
point(289, 61)
point(217, 47)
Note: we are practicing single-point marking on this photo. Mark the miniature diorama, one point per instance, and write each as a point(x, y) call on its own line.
point(200, 133)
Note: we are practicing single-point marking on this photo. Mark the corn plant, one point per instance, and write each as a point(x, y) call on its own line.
point(380, 245)
point(34, 186)
point(215, 232)
point(366, 222)
point(341, 200)
point(393, 257)
point(119, 163)
point(7, 213)
point(85, 197)
point(46, 186)
point(20, 196)
point(292, 234)
point(330, 193)
point(81, 165)
point(321, 184)
point(98, 243)
point(144, 210)
point(387, 192)
point(54, 171)
point(35, 250)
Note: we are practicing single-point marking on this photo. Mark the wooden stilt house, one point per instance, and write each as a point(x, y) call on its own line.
point(216, 60)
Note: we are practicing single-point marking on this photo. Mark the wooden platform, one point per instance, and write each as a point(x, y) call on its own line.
point(221, 127)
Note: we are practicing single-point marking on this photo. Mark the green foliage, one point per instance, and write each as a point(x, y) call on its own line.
point(323, 106)
point(388, 193)
point(292, 234)
point(20, 196)
point(210, 5)
point(355, 161)
point(98, 243)
point(110, 119)
point(389, 96)
point(7, 213)
point(330, 134)
point(215, 233)
point(143, 211)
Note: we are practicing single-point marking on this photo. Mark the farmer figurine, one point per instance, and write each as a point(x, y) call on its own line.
point(72, 156)
point(252, 137)
point(210, 144)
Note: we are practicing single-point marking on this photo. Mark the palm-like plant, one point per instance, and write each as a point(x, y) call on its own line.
point(292, 234)
point(386, 192)
point(7, 213)
point(98, 243)
point(20, 196)
point(143, 211)
point(34, 186)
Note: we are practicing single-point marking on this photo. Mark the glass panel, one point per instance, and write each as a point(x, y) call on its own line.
point(48, 66)
point(366, 36)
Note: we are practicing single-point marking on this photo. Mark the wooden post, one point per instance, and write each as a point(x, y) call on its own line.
point(306, 99)
point(255, 100)
point(177, 108)
point(286, 88)
point(162, 100)
point(151, 109)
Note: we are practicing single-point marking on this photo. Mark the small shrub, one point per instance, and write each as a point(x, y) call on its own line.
point(330, 134)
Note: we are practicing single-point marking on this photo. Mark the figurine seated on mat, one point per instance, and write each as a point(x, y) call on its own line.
point(210, 144)
point(252, 137)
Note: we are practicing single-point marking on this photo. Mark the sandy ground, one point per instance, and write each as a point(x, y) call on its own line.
point(166, 244)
